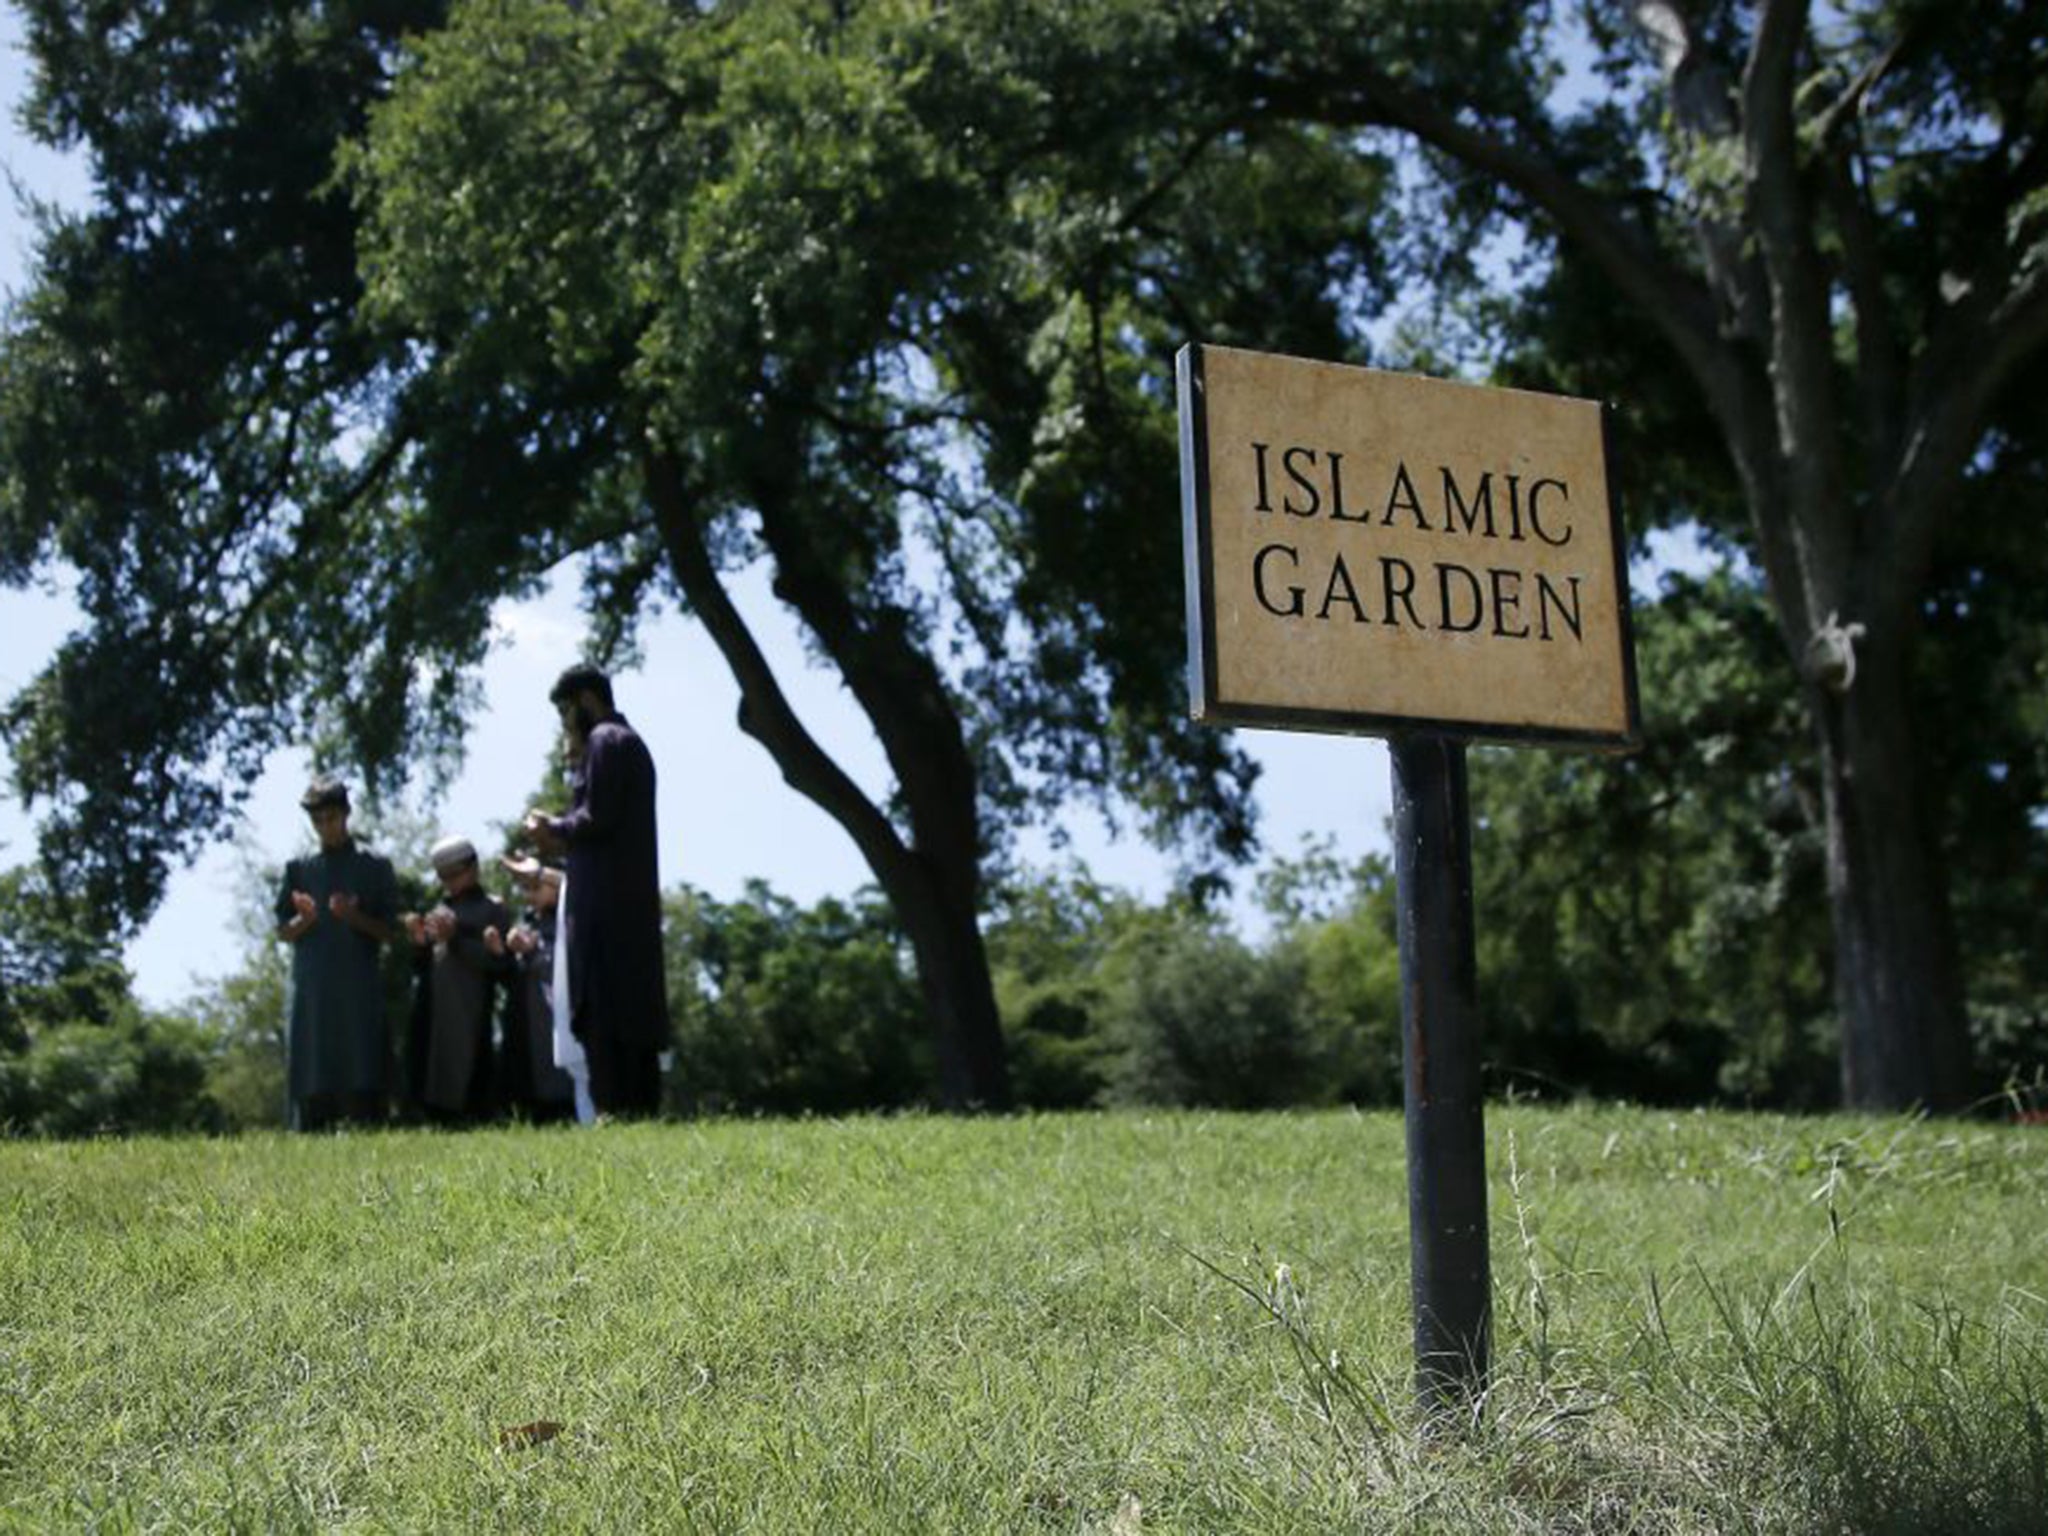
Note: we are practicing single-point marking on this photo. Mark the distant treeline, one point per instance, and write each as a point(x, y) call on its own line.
point(1107, 999)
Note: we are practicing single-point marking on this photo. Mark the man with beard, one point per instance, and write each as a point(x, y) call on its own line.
point(335, 908)
point(618, 1003)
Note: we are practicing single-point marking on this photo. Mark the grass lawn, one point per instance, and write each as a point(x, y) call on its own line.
point(1705, 1322)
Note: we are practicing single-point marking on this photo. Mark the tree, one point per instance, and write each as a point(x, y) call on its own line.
point(1655, 927)
point(805, 326)
point(79, 1055)
point(55, 967)
point(1338, 923)
point(1050, 936)
point(178, 390)
point(1832, 225)
point(831, 286)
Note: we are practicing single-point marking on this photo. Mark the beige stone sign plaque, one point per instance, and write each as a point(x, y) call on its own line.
point(1378, 553)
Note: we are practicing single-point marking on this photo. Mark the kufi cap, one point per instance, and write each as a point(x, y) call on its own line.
point(323, 792)
point(452, 853)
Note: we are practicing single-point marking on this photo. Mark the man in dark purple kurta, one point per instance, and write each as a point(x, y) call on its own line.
point(618, 998)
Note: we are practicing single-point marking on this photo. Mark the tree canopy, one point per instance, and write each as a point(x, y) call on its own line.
point(870, 293)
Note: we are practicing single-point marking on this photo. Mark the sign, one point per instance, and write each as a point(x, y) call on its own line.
point(1432, 562)
point(1381, 553)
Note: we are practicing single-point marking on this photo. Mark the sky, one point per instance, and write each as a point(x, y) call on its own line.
point(724, 815)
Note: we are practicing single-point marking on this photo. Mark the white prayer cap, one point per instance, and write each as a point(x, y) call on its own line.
point(452, 853)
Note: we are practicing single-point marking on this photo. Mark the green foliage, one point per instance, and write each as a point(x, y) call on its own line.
point(781, 1009)
point(1107, 999)
point(78, 1055)
point(1651, 926)
point(147, 1073)
point(881, 266)
point(786, 1009)
point(245, 1014)
point(1197, 1016)
point(1048, 939)
point(56, 968)
point(183, 397)
point(1350, 964)
point(1981, 693)
point(924, 318)
point(1654, 926)
point(378, 320)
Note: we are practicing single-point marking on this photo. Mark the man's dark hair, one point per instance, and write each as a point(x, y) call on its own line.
point(323, 792)
point(581, 678)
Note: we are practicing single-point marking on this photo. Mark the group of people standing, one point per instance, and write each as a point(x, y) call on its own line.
point(574, 982)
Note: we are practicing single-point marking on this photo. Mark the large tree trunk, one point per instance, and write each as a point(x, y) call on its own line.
point(959, 994)
point(1898, 986)
point(933, 881)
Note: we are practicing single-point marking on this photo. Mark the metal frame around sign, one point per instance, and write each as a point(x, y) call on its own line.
point(1198, 555)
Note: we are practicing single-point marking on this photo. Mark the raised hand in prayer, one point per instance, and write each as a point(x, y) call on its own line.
point(440, 926)
point(342, 904)
point(305, 913)
point(539, 828)
point(494, 941)
point(522, 941)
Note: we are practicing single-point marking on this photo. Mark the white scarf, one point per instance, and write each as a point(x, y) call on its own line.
point(568, 1049)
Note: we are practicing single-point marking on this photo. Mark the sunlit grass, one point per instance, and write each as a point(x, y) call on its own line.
point(1705, 1322)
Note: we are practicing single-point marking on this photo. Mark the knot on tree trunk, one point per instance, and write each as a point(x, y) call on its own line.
point(1831, 654)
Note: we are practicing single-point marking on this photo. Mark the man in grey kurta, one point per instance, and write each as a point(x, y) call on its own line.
point(335, 908)
point(463, 963)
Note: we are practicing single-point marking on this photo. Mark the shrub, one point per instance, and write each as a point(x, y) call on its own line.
point(1199, 1017)
point(146, 1073)
point(1048, 937)
point(782, 1009)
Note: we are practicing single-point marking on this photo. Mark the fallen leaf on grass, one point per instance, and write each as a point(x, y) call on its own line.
point(520, 1436)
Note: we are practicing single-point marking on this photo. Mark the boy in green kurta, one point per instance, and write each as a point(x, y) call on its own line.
point(335, 908)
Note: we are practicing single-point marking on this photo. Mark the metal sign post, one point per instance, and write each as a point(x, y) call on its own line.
point(1431, 562)
point(1448, 1269)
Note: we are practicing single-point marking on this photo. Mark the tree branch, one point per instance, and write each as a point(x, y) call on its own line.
point(1850, 102)
point(1954, 390)
point(1801, 341)
point(1703, 106)
point(896, 685)
point(1676, 304)
point(1880, 362)
point(765, 712)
